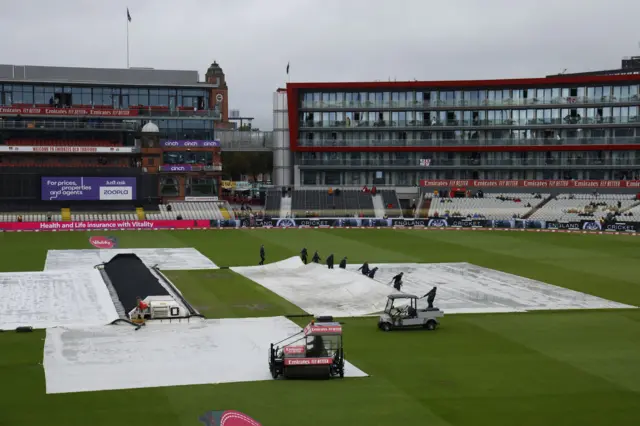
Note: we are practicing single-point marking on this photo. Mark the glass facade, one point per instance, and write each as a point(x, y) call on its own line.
point(187, 157)
point(188, 128)
point(102, 96)
point(603, 115)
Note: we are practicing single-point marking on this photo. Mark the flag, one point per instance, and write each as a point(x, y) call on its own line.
point(128, 15)
point(287, 68)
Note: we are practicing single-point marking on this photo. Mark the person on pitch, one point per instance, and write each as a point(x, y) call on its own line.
point(303, 255)
point(316, 257)
point(431, 296)
point(330, 261)
point(343, 263)
point(364, 268)
point(372, 273)
point(261, 255)
point(397, 281)
point(142, 307)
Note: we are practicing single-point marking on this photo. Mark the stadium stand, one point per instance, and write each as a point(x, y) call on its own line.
point(29, 217)
point(101, 216)
point(391, 203)
point(573, 207)
point(339, 203)
point(491, 206)
point(188, 211)
point(273, 202)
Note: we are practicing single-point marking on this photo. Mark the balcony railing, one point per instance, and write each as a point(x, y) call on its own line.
point(66, 125)
point(329, 143)
point(461, 103)
point(385, 124)
point(157, 112)
point(478, 163)
point(237, 140)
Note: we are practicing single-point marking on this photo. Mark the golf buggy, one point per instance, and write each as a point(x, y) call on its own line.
point(315, 352)
point(400, 314)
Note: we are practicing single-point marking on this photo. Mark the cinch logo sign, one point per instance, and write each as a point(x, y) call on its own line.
point(116, 193)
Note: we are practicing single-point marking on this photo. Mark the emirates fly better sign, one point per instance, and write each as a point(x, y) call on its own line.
point(88, 188)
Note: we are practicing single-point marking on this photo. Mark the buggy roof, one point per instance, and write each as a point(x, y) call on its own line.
point(402, 296)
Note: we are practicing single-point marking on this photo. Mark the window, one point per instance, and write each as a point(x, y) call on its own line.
point(201, 186)
point(169, 186)
point(332, 178)
point(308, 177)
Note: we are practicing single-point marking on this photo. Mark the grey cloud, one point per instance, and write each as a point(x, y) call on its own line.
point(329, 40)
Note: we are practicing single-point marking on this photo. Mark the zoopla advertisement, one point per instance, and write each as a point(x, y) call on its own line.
point(88, 188)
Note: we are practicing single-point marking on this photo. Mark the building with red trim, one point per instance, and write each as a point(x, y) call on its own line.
point(398, 133)
point(71, 121)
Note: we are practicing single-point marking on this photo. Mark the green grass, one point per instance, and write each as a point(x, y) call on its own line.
point(544, 368)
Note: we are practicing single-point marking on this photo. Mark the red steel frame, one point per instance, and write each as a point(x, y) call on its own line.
point(294, 89)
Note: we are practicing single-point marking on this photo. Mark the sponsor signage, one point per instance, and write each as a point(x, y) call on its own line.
point(542, 184)
point(110, 225)
point(190, 144)
point(565, 226)
point(322, 329)
point(188, 168)
point(295, 350)
point(68, 111)
point(88, 188)
point(433, 222)
point(103, 242)
point(179, 168)
point(67, 149)
point(308, 361)
point(227, 418)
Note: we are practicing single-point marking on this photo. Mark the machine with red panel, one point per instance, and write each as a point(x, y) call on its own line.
point(314, 352)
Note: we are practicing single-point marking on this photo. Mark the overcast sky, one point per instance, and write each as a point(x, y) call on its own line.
point(329, 40)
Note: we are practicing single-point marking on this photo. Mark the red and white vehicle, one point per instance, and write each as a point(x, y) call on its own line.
point(316, 351)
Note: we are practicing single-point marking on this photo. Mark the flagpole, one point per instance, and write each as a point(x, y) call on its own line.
point(127, 38)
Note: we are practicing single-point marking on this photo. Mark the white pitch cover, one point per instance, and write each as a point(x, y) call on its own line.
point(462, 288)
point(167, 259)
point(54, 298)
point(208, 352)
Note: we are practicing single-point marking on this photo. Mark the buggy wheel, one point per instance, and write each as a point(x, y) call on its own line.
point(274, 374)
point(430, 325)
point(385, 326)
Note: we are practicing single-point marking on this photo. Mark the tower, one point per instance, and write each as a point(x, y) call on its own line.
point(218, 98)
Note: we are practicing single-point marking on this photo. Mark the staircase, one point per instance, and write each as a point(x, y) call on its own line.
point(140, 213)
point(285, 207)
point(224, 212)
point(66, 214)
point(424, 209)
point(537, 207)
point(378, 206)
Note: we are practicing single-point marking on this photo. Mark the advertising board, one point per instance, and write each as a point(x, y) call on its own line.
point(88, 188)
